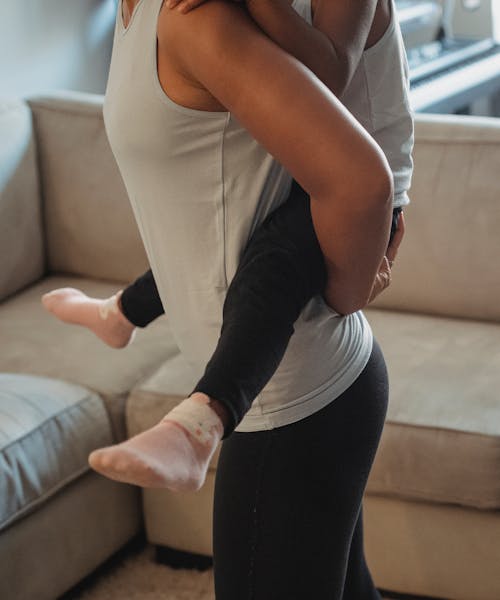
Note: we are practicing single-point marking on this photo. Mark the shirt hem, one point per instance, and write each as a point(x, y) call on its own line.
point(400, 199)
point(314, 403)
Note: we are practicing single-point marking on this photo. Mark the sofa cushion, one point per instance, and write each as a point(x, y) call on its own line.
point(21, 237)
point(441, 440)
point(34, 341)
point(90, 227)
point(447, 263)
point(47, 430)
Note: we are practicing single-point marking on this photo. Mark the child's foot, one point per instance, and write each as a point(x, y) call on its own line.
point(165, 456)
point(103, 317)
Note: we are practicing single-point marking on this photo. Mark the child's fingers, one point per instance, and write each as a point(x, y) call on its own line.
point(402, 222)
point(184, 6)
point(383, 277)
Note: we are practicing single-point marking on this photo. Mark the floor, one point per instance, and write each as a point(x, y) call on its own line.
point(134, 574)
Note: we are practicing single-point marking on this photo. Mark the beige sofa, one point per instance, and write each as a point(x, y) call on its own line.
point(64, 221)
point(432, 505)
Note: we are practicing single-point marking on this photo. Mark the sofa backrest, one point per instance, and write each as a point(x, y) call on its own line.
point(447, 264)
point(21, 233)
point(89, 226)
point(449, 261)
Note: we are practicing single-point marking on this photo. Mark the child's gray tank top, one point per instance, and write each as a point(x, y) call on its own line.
point(199, 185)
point(378, 96)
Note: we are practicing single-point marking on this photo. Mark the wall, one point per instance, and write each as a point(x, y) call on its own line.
point(55, 44)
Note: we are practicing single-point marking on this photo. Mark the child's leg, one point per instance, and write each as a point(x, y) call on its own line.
point(280, 270)
point(140, 301)
point(112, 319)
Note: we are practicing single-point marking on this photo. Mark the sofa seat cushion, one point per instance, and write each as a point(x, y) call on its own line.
point(35, 342)
point(441, 440)
point(47, 430)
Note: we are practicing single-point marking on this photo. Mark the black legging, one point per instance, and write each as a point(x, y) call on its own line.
point(281, 269)
point(287, 505)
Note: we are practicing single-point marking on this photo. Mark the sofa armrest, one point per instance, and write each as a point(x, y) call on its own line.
point(22, 253)
point(90, 228)
point(448, 261)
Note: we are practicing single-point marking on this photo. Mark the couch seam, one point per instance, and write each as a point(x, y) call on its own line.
point(61, 109)
point(48, 419)
point(451, 141)
point(445, 429)
point(40, 499)
point(159, 394)
point(440, 499)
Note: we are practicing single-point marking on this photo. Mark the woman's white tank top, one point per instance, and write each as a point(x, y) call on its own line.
point(199, 185)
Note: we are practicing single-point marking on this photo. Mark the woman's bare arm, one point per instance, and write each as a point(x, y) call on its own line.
point(303, 125)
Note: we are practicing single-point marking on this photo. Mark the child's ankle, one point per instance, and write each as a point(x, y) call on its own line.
point(199, 416)
point(217, 407)
point(119, 306)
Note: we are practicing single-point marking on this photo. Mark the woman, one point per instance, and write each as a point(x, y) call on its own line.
point(287, 520)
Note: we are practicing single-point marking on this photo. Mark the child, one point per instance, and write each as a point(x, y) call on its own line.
point(282, 267)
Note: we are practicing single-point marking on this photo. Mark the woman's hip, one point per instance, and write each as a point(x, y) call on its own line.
point(287, 499)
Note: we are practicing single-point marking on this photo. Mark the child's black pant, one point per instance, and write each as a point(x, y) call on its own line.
point(281, 269)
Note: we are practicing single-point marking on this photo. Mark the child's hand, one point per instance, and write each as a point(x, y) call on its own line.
point(383, 278)
point(184, 6)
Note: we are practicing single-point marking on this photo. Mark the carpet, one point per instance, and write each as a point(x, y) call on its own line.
point(133, 574)
point(137, 577)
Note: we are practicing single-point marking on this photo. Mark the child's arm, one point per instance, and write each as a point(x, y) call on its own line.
point(332, 48)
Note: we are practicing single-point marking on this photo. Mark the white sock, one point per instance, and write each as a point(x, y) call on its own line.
point(197, 417)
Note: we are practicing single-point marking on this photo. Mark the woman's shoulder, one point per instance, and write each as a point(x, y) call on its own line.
point(205, 39)
point(217, 19)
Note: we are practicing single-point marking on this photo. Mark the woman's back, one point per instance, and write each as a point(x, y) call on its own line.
point(199, 185)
